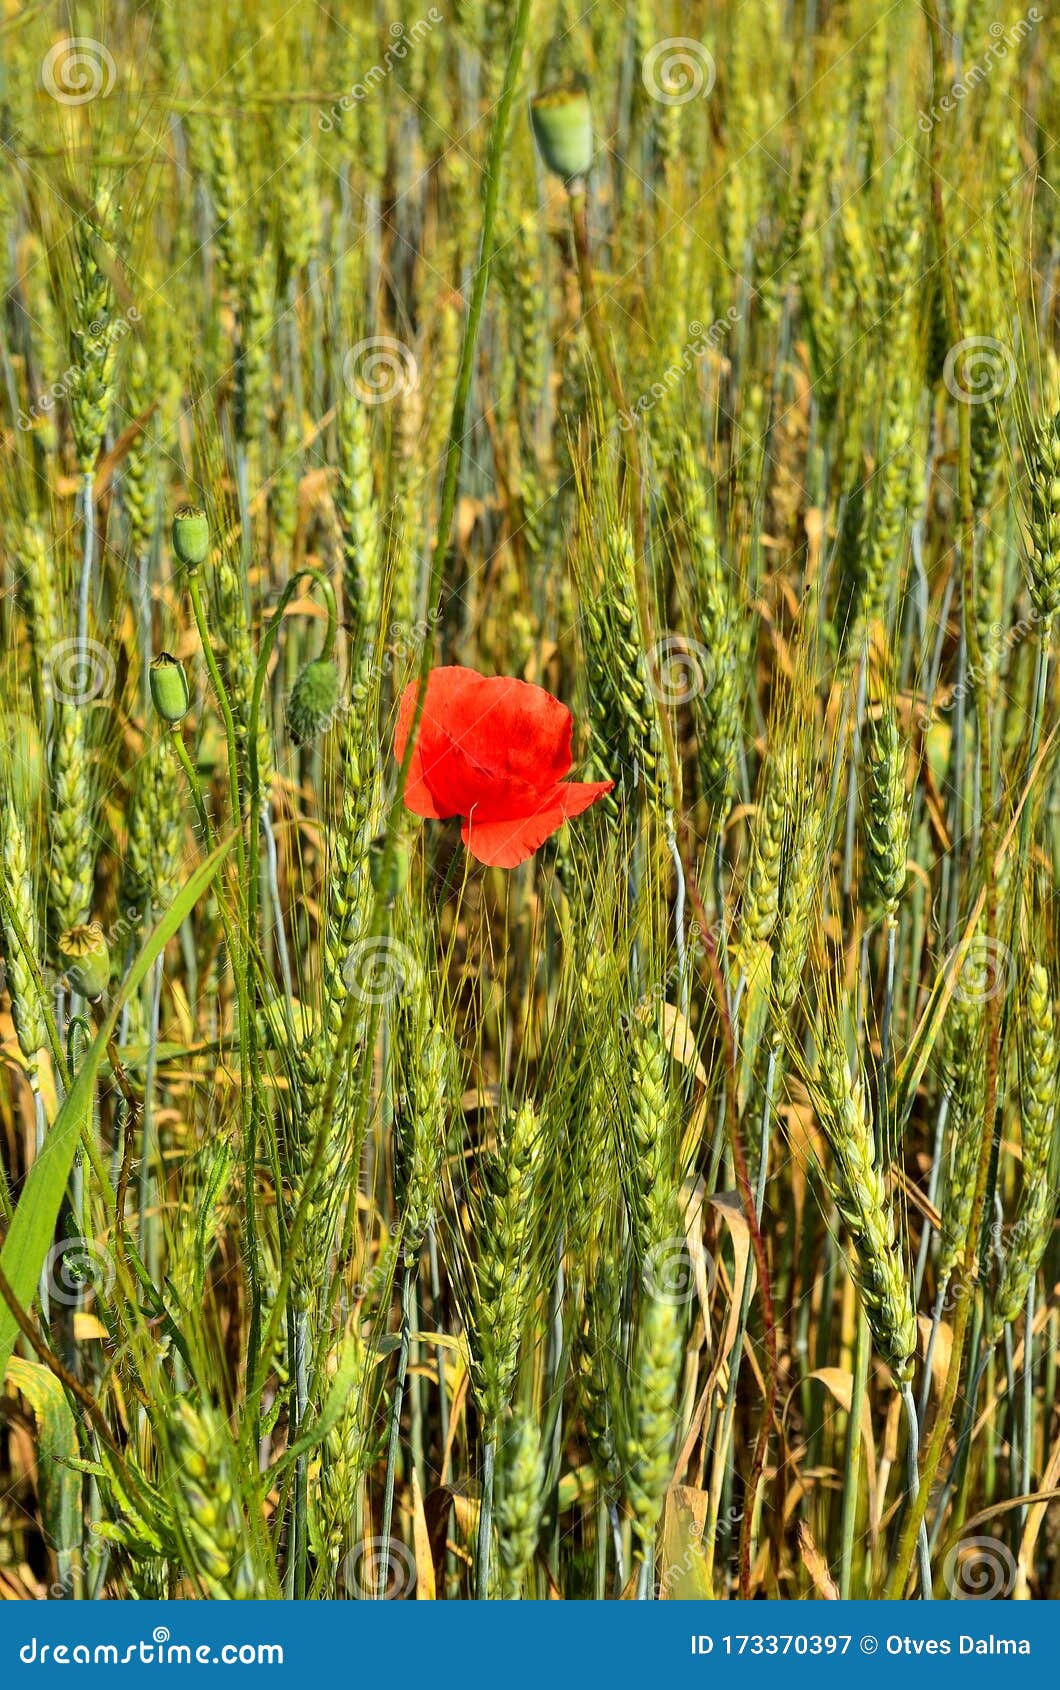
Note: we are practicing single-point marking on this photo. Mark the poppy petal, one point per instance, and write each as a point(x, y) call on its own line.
point(504, 844)
point(431, 746)
point(517, 731)
point(577, 795)
point(489, 743)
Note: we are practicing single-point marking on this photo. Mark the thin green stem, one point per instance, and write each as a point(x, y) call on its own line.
point(911, 1529)
point(396, 1405)
point(852, 1452)
point(485, 1518)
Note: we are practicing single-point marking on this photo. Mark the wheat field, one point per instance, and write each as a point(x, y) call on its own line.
point(529, 817)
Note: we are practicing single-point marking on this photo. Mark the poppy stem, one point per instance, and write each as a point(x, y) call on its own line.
point(579, 222)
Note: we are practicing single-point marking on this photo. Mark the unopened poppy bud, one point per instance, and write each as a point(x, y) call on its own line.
point(563, 129)
point(170, 693)
point(86, 960)
point(314, 696)
point(389, 885)
point(191, 536)
point(21, 758)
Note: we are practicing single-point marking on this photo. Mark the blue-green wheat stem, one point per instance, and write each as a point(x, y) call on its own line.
point(88, 557)
point(859, 1373)
point(913, 1470)
point(484, 1547)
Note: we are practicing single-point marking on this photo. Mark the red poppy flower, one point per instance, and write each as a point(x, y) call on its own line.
point(495, 751)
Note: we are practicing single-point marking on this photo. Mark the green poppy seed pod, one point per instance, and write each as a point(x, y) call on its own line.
point(314, 696)
point(86, 960)
point(21, 758)
point(191, 536)
point(170, 693)
point(563, 129)
point(393, 884)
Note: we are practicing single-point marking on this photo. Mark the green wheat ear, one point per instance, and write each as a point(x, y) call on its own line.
point(521, 1499)
point(885, 810)
point(1043, 527)
point(859, 1188)
point(1029, 1234)
point(211, 1514)
point(501, 1282)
